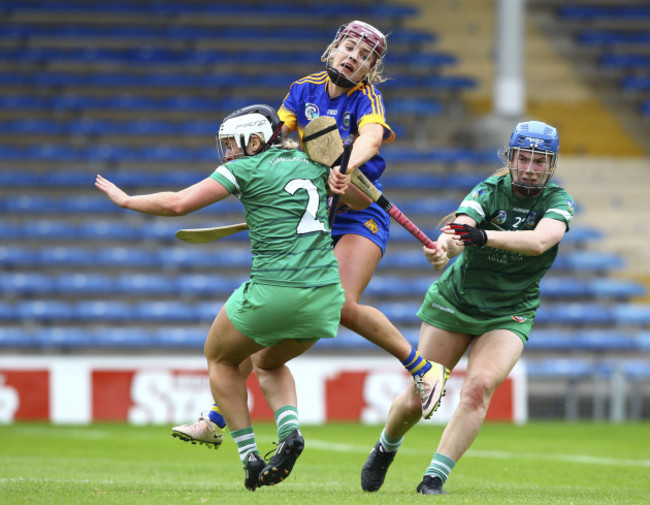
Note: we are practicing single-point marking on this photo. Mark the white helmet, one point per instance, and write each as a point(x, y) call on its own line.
point(261, 120)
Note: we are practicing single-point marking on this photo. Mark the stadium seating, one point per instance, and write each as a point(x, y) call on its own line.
point(140, 103)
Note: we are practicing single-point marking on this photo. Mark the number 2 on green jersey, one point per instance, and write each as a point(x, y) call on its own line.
point(309, 222)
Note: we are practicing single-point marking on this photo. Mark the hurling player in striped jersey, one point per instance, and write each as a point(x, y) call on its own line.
point(508, 229)
point(346, 90)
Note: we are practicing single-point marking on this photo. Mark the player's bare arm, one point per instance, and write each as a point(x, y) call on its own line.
point(366, 145)
point(546, 234)
point(166, 203)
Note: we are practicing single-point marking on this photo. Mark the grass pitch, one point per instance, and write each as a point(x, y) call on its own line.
point(539, 463)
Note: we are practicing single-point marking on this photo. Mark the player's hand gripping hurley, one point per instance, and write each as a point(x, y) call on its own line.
point(345, 159)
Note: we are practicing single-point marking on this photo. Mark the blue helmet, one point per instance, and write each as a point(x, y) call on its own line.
point(535, 134)
point(533, 138)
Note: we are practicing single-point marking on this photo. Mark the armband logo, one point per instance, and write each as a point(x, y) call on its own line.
point(475, 194)
point(571, 206)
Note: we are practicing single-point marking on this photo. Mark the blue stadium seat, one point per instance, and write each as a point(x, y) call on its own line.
point(206, 284)
point(126, 257)
point(415, 106)
point(25, 283)
point(107, 336)
point(605, 341)
point(49, 229)
point(10, 231)
point(603, 12)
point(180, 337)
point(182, 257)
point(85, 204)
point(8, 311)
point(611, 38)
point(561, 368)
point(587, 261)
point(160, 311)
point(17, 337)
point(107, 229)
point(616, 288)
point(405, 260)
point(67, 336)
point(79, 283)
point(635, 314)
point(24, 102)
point(576, 314)
point(564, 287)
point(626, 61)
point(207, 311)
point(551, 339)
point(66, 256)
point(427, 206)
point(45, 310)
point(159, 230)
point(28, 204)
point(103, 310)
point(145, 283)
point(388, 286)
point(12, 256)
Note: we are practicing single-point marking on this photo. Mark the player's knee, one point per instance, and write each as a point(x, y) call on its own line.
point(476, 394)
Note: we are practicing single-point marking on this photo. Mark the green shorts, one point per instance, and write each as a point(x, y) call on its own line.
point(437, 311)
point(270, 314)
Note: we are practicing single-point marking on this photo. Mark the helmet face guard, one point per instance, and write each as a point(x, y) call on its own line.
point(532, 157)
point(237, 128)
point(355, 55)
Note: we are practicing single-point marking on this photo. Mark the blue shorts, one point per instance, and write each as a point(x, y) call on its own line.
point(372, 223)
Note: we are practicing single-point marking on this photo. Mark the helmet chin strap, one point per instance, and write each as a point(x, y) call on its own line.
point(527, 191)
point(338, 79)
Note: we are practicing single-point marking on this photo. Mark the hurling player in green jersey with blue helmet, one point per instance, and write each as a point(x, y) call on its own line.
point(508, 230)
point(294, 296)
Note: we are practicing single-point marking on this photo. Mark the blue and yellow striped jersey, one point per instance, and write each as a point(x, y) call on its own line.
point(307, 99)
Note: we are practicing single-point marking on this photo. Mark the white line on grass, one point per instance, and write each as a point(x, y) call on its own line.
point(570, 458)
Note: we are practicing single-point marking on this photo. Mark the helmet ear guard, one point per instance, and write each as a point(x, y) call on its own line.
point(257, 119)
point(534, 137)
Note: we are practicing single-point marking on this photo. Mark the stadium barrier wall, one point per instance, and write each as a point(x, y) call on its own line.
point(171, 390)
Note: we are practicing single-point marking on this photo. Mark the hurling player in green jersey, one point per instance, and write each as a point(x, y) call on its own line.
point(508, 230)
point(294, 296)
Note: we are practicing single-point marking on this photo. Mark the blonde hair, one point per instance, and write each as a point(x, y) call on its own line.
point(281, 142)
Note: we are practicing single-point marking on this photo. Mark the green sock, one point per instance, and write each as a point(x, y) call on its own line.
point(245, 440)
point(390, 444)
point(287, 420)
point(440, 466)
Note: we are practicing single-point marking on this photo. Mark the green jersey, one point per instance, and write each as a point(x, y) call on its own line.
point(487, 282)
point(284, 196)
